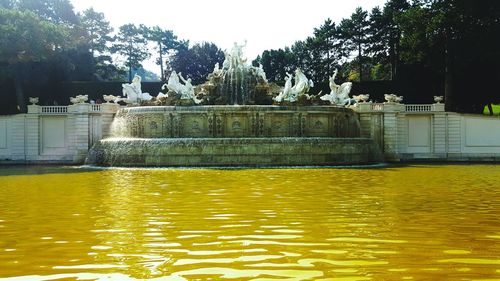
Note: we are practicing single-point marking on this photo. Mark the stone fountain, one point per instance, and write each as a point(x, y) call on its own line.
point(238, 127)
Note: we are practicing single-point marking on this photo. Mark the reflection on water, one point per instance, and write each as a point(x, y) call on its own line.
point(394, 223)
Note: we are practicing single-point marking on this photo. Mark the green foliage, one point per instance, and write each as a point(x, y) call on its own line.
point(98, 30)
point(166, 44)
point(354, 32)
point(385, 34)
point(24, 37)
point(380, 72)
point(131, 43)
point(276, 63)
point(55, 11)
point(198, 61)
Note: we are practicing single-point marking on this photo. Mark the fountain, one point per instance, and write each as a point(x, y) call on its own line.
point(236, 125)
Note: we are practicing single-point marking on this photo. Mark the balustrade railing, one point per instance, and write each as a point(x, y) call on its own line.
point(56, 109)
point(418, 107)
point(95, 108)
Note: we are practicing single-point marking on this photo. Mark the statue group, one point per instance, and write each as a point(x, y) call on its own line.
point(300, 88)
point(240, 83)
point(339, 94)
point(182, 91)
point(133, 92)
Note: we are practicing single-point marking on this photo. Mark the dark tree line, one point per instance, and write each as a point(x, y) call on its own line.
point(425, 47)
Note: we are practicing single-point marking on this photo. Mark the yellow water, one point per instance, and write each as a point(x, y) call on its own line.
point(392, 223)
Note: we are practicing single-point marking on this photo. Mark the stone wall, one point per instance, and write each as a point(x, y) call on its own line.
point(64, 134)
point(236, 122)
point(54, 134)
point(427, 132)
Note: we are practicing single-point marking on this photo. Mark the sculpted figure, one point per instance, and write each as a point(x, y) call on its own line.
point(133, 91)
point(292, 93)
point(227, 61)
point(302, 84)
point(286, 94)
point(173, 83)
point(188, 91)
point(217, 71)
point(392, 98)
point(261, 73)
point(237, 54)
point(339, 95)
point(185, 91)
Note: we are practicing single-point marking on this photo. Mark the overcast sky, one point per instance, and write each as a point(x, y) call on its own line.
point(265, 24)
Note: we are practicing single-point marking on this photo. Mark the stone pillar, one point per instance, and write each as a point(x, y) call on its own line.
point(79, 131)
point(391, 128)
point(371, 121)
point(32, 133)
point(440, 136)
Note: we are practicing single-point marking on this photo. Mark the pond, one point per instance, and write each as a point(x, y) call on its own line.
point(415, 222)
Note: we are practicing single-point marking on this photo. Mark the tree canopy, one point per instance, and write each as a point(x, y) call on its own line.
point(423, 47)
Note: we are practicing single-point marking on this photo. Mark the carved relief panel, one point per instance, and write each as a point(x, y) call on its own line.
point(237, 125)
point(194, 125)
point(318, 125)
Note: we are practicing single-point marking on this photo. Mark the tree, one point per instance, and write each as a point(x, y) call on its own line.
point(98, 30)
point(277, 63)
point(132, 44)
point(327, 50)
point(354, 32)
point(166, 43)
point(55, 11)
point(198, 61)
point(26, 38)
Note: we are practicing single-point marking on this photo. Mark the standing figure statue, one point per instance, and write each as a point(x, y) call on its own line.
point(236, 56)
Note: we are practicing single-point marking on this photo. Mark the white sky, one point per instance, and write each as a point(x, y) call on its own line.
point(265, 24)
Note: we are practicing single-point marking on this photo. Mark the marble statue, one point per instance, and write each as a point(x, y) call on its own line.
point(185, 91)
point(188, 91)
point(111, 98)
point(173, 83)
point(227, 60)
point(261, 73)
point(361, 98)
point(133, 92)
point(302, 84)
point(391, 98)
point(237, 54)
point(234, 59)
point(292, 93)
point(218, 72)
point(286, 94)
point(79, 99)
point(33, 100)
point(339, 94)
point(438, 99)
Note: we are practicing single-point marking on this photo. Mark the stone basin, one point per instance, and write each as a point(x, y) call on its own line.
point(235, 136)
